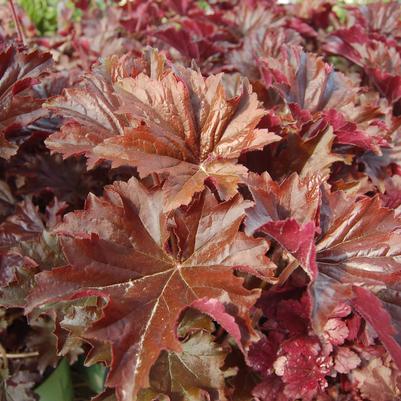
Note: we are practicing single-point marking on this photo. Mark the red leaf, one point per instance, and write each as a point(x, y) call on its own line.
point(286, 212)
point(297, 240)
point(347, 42)
point(261, 43)
point(124, 248)
point(348, 133)
point(187, 128)
point(379, 58)
point(195, 39)
point(306, 80)
point(382, 17)
point(215, 309)
point(19, 70)
point(270, 389)
point(372, 310)
point(304, 368)
point(346, 360)
point(359, 249)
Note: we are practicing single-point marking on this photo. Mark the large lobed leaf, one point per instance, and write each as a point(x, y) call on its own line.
point(358, 248)
point(379, 58)
point(150, 266)
point(317, 94)
point(306, 80)
point(169, 121)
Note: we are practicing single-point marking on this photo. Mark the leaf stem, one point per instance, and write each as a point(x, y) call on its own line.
point(15, 355)
point(288, 270)
point(21, 355)
point(21, 36)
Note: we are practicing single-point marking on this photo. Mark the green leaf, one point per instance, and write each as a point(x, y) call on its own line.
point(58, 386)
point(95, 375)
point(341, 13)
point(204, 5)
point(90, 377)
point(42, 13)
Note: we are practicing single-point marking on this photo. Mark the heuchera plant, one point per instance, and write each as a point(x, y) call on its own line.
point(204, 197)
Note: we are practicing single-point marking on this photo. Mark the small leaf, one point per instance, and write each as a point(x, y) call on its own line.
point(190, 373)
point(95, 376)
point(58, 386)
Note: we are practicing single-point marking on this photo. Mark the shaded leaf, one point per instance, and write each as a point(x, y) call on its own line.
point(58, 385)
point(194, 370)
point(18, 72)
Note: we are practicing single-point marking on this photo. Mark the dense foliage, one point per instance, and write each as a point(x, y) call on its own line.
point(203, 197)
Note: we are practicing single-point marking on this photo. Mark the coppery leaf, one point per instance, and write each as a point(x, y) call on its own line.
point(124, 248)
